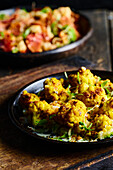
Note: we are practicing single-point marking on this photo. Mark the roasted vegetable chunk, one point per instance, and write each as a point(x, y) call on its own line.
point(54, 90)
point(93, 96)
point(84, 78)
point(27, 98)
point(107, 108)
point(71, 113)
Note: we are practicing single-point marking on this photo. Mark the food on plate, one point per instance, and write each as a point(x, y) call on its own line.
point(77, 108)
point(38, 30)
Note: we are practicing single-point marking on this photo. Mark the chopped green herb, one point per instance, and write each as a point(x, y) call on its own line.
point(83, 126)
point(78, 78)
point(2, 34)
point(15, 50)
point(99, 78)
point(71, 33)
point(24, 9)
point(2, 16)
point(45, 10)
point(103, 84)
point(26, 33)
point(54, 28)
point(42, 122)
point(108, 92)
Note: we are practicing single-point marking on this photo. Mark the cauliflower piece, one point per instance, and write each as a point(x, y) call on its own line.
point(107, 108)
point(22, 46)
point(83, 76)
point(94, 95)
point(49, 33)
point(48, 46)
point(101, 121)
point(40, 110)
point(35, 29)
point(54, 90)
point(103, 126)
point(65, 11)
point(107, 84)
point(27, 98)
point(71, 113)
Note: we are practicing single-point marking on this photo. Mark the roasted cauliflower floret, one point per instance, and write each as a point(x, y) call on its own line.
point(27, 98)
point(102, 121)
point(41, 110)
point(106, 84)
point(94, 95)
point(83, 78)
point(71, 113)
point(107, 108)
point(54, 90)
point(103, 125)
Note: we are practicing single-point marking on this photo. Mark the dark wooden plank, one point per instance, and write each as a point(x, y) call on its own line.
point(20, 151)
point(98, 47)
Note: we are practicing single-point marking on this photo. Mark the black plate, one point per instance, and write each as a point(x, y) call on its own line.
point(51, 55)
point(14, 109)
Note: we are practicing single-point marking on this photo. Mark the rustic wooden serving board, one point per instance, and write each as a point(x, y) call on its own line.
point(21, 151)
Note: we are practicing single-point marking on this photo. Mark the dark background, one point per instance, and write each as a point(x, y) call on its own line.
point(77, 4)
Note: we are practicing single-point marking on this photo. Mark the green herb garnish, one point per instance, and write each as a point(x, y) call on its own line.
point(45, 10)
point(41, 122)
point(103, 84)
point(54, 28)
point(2, 16)
point(83, 126)
point(71, 33)
point(15, 50)
point(2, 34)
point(24, 9)
point(78, 78)
point(26, 33)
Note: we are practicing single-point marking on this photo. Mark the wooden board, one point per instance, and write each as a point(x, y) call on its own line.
point(20, 151)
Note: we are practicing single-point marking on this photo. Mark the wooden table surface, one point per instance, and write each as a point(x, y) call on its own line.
point(21, 151)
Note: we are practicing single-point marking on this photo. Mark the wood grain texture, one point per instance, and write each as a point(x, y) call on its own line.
point(21, 151)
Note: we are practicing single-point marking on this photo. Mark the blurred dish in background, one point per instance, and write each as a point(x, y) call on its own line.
point(41, 32)
point(38, 30)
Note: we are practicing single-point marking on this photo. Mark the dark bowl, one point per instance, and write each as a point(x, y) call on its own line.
point(51, 55)
point(15, 110)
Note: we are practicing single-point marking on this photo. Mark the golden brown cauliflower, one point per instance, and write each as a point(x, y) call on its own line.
point(94, 95)
point(27, 98)
point(106, 84)
point(84, 77)
point(54, 90)
point(103, 126)
point(41, 110)
point(102, 121)
point(71, 113)
point(107, 108)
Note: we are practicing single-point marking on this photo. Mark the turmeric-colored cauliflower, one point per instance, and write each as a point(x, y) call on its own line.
point(71, 113)
point(83, 78)
point(41, 110)
point(27, 98)
point(103, 126)
point(94, 95)
point(107, 108)
point(106, 84)
point(54, 90)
